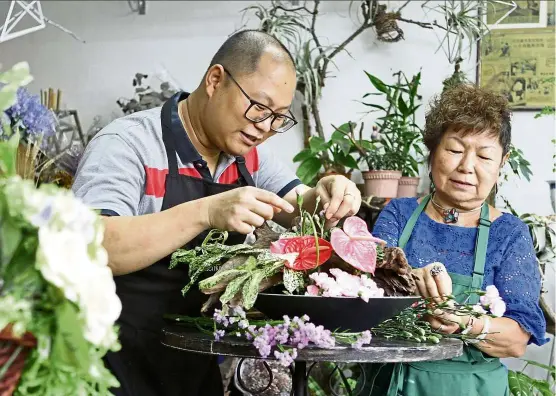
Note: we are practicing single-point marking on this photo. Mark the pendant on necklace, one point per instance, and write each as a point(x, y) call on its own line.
point(451, 216)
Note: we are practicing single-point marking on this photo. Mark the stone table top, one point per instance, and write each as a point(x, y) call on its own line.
point(379, 350)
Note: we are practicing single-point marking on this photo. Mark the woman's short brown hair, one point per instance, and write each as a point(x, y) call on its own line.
point(469, 109)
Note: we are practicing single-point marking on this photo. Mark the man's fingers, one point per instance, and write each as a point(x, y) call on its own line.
point(274, 200)
point(264, 210)
point(336, 198)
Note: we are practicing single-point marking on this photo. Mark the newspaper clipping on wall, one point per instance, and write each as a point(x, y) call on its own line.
point(520, 61)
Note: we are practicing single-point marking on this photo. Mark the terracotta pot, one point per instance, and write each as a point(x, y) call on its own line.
point(407, 186)
point(381, 183)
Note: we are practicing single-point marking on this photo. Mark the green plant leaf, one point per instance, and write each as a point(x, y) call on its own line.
point(308, 169)
point(318, 144)
point(550, 369)
point(347, 160)
point(69, 347)
point(403, 107)
point(377, 83)
point(520, 384)
point(303, 155)
point(10, 238)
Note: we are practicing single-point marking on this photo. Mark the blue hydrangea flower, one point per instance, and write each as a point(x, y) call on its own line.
point(30, 117)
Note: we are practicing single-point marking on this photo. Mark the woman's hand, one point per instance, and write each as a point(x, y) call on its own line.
point(433, 281)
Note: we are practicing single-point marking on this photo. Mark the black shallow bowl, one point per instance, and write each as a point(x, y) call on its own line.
point(334, 313)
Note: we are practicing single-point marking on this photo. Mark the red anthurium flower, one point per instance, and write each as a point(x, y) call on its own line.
point(355, 244)
point(306, 249)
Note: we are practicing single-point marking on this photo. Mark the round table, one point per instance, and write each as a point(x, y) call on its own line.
point(379, 350)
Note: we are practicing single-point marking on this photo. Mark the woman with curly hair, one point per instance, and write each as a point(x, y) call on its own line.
point(456, 241)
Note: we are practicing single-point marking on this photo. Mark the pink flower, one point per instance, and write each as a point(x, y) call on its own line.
point(479, 309)
point(355, 244)
point(312, 290)
point(498, 307)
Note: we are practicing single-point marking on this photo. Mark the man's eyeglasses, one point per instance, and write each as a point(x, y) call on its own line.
point(258, 112)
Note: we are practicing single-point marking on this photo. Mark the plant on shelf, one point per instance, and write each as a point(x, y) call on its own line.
point(58, 302)
point(458, 22)
point(393, 153)
point(334, 156)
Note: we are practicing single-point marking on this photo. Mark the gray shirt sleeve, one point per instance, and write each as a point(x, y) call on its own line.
point(110, 176)
point(273, 175)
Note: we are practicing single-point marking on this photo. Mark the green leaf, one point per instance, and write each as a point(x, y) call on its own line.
point(377, 83)
point(251, 289)
point(308, 169)
point(317, 144)
point(303, 155)
point(10, 237)
point(69, 346)
point(293, 280)
point(233, 288)
point(346, 160)
point(8, 154)
point(550, 369)
point(403, 107)
point(375, 106)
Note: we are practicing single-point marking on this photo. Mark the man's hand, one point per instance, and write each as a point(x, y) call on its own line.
point(339, 196)
point(243, 209)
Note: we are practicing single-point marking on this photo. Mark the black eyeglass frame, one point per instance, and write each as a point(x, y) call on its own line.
point(254, 102)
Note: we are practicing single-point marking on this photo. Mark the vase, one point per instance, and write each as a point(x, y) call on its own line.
point(381, 183)
point(407, 186)
point(13, 350)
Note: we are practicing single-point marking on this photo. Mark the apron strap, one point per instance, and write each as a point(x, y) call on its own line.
point(242, 169)
point(167, 135)
point(481, 247)
point(408, 229)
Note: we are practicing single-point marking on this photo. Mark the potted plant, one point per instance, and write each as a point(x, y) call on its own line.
point(392, 154)
point(58, 302)
point(323, 158)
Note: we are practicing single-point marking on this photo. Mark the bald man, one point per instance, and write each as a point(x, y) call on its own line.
point(163, 177)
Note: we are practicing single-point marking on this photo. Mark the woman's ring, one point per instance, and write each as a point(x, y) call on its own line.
point(437, 269)
point(348, 193)
point(440, 328)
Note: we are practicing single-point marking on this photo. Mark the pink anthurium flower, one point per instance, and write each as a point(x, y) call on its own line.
point(306, 249)
point(355, 244)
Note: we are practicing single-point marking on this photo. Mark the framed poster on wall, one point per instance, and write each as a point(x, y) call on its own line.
point(517, 56)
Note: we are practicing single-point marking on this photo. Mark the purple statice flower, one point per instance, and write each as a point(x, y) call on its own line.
point(220, 318)
point(32, 118)
point(286, 358)
point(362, 339)
point(218, 334)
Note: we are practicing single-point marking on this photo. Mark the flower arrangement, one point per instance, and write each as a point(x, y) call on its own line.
point(307, 260)
point(58, 302)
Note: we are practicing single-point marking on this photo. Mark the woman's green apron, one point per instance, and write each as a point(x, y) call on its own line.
point(471, 374)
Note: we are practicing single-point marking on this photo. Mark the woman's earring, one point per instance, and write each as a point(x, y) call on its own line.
point(432, 182)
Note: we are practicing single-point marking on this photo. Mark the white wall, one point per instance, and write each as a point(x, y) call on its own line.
point(181, 37)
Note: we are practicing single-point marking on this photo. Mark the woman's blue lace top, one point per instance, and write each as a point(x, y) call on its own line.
point(510, 263)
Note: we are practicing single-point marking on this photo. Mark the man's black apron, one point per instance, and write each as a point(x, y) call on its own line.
point(144, 367)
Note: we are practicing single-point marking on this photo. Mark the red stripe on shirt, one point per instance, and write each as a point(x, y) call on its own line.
point(155, 183)
point(230, 174)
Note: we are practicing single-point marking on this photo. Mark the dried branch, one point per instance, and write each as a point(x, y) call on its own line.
point(426, 25)
point(403, 6)
point(313, 24)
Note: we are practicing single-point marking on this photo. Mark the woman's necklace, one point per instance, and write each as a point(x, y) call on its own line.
point(451, 216)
